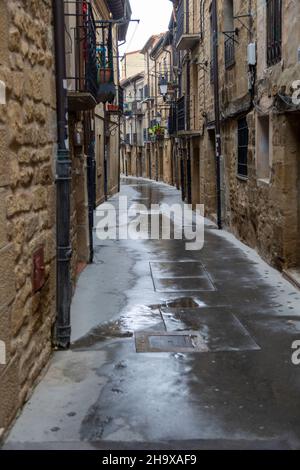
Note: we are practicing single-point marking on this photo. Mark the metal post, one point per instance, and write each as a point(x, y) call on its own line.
point(63, 186)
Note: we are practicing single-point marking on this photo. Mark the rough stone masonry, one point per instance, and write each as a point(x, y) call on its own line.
point(27, 196)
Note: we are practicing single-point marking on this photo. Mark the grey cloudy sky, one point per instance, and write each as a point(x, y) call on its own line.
point(154, 15)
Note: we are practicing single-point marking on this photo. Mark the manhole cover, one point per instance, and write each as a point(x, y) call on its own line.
point(173, 269)
point(219, 328)
point(180, 276)
point(183, 284)
point(169, 342)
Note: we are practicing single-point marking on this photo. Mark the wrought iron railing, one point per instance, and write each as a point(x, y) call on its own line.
point(180, 21)
point(121, 99)
point(145, 134)
point(146, 93)
point(229, 51)
point(81, 48)
point(172, 122)
point(274, 31)
point(181, 114)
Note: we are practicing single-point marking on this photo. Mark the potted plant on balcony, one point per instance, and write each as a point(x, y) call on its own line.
point(106, 87)
point(157, 132)
point(104, 67)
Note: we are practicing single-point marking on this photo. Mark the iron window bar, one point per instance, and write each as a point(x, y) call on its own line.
point(274, 31)
point(243, 142)
point(229, 46)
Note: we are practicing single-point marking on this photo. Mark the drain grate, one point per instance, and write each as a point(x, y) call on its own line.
point(169, 342)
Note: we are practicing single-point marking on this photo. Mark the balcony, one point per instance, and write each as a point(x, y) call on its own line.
point(172, 123)
point(137, 108)
point(181, 115)
point(229, 52)
point(146, 138)
point(89, 57)
point(81, 56)
point(146, 94)
point(186, 38)
point(117, 108)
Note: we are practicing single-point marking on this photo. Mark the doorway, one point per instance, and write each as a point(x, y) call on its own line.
point(196, 176)
point(291, 198)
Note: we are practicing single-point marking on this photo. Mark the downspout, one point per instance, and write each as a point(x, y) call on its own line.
point(89, 121)
point(119, 117)
point(63, 185)
point(217, 111)
point(148, 115)
point(156, 111)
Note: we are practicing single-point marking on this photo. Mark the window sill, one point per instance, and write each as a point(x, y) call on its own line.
point(242, 178)
point(263, 182)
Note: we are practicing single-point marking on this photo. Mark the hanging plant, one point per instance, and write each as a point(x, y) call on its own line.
point(104, 75)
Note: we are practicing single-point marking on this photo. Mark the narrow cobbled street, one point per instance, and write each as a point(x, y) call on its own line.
point(171, 349)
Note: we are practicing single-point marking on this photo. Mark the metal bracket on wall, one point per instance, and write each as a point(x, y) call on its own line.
point(238, 17)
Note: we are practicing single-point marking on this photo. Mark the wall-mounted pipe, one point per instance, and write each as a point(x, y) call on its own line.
point(63, 185)
point(217, 110)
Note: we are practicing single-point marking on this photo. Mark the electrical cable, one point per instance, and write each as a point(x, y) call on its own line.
point(133, 36)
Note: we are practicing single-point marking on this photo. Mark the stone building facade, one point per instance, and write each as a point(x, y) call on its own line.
point(29, 223)
point(27, 187)
point(147, 147)
point(132, 126)
point(132, 63)
point(258, 66)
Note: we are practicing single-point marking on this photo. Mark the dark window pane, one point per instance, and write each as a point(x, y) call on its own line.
point(243, 140)
point(274, 31)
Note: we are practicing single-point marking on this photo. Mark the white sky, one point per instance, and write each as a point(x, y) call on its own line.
point(154, 15)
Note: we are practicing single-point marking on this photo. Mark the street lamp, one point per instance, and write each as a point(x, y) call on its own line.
point(163, 86)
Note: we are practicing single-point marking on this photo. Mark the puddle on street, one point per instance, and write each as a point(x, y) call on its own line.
point(142, 318)
point(139, 317)
point(185, 302)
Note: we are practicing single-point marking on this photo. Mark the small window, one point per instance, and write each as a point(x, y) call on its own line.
point(263, 147)
point(243, 141)
point(229, 32)
point(274, 31)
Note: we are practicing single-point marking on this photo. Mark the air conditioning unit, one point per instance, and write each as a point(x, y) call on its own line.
point(252, 53)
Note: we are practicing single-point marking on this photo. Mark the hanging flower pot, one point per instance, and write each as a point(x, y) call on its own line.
point(105, 75)
point(106, 93)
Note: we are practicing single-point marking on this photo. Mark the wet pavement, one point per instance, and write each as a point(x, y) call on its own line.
point(172, 349)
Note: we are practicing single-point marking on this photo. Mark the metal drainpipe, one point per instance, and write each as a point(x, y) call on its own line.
point(63, 186)
point(148, 115)
point(119, 117)
point(91, 176)
point(217, 111)
point(105, 131)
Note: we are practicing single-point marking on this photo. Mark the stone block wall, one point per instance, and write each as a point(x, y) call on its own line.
point(27, 196)
point(262, 212)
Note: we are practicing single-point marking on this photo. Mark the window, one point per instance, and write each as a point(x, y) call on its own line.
point(243, 140)
point(229, 33)
point(263, 147)
point(274, 31)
